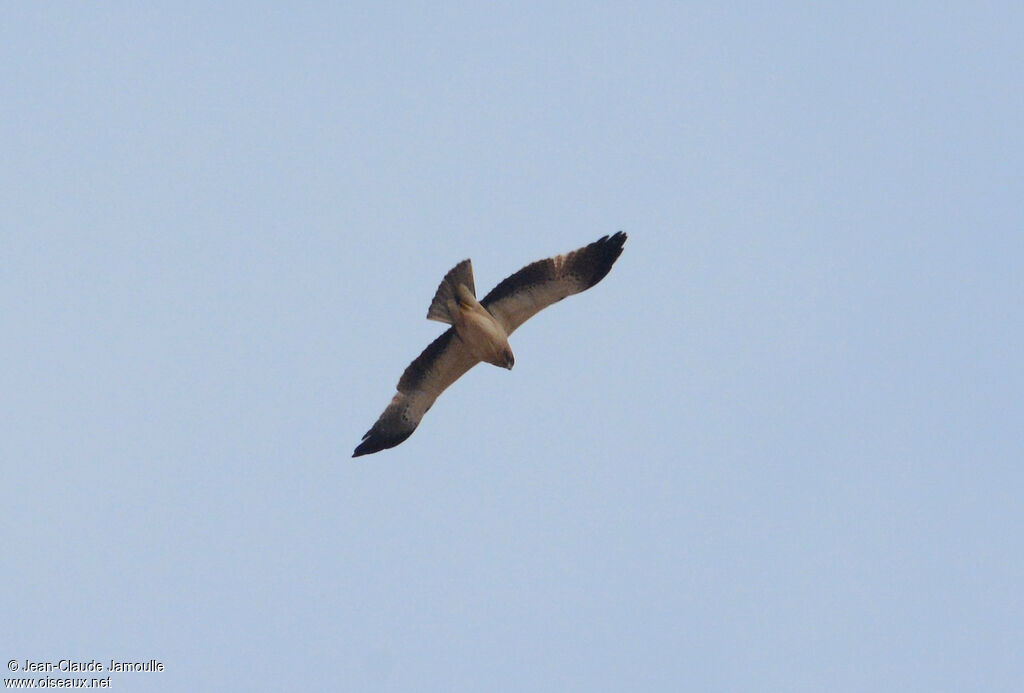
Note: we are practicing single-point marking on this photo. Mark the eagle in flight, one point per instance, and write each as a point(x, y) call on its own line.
point(479, 329)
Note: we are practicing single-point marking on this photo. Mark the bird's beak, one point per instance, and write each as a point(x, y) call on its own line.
point(510, 361)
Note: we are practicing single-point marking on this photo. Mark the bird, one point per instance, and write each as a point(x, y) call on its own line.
point(479, 330)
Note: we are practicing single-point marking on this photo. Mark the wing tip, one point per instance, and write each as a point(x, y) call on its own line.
point(607, 250)
point(375, 441)
point(615, 242)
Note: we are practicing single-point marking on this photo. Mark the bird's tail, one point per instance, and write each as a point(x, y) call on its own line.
point(447, 297)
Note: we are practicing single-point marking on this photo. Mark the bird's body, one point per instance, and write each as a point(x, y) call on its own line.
point(479, 329)
point(480, 332)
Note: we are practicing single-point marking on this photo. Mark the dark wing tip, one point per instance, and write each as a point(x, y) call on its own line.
point(364, 448)
point(596, 259)
point(375, 441)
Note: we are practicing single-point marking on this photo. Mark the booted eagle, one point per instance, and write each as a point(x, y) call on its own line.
point(479, 329)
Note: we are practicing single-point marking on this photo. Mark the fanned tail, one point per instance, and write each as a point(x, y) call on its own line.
point(447, 298)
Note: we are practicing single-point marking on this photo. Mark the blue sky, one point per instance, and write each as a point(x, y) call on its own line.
point(778, 448)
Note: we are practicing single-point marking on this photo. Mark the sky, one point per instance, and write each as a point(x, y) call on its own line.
point(777, 448)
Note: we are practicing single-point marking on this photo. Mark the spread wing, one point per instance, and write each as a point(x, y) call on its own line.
point(538, 285)
point(440, 365)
